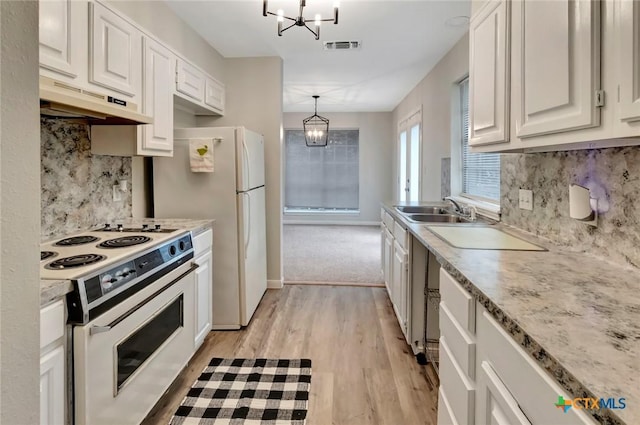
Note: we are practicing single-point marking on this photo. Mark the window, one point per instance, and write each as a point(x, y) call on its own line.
point(322, 179)
point(480, 171)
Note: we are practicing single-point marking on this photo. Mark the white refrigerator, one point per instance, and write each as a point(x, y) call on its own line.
point(234, 196)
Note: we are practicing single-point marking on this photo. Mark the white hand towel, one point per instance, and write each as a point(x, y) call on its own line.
point(201, 155)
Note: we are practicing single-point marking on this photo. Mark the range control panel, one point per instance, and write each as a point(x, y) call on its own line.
point(120, 275)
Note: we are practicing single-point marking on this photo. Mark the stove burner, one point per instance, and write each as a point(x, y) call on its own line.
point(47, 254)
point(75, 261)
point(124, 241)
point(76, 240)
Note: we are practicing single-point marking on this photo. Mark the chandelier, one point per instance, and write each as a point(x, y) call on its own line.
point(300, 21)
point(316, 129)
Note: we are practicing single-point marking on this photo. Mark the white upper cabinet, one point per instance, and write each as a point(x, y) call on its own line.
point(60, 44)
point(197, 92)
point(489, 88)
point(214, 94)
point(115, 59)
point(190, 80)
point(628, 24)
point(556, 66)
point(157, 100)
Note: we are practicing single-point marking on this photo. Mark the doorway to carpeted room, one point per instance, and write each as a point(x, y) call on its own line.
point(333, 255)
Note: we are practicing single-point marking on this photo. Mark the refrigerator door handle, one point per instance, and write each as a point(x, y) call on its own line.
point(247, 225)
point(247, 168)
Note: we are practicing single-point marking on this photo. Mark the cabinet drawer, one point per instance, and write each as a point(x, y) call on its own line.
point(458, 388)
point(401, 235)
point(527, 382)
point(388, 221)
point(459, 301)
point(445, 413)
point(202, 242)
point(462, 345)
point(52, 323)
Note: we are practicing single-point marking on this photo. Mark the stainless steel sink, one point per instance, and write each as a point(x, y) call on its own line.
point(437, 218)
point(422, 209)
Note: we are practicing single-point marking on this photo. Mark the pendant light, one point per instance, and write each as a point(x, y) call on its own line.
point(316, 128)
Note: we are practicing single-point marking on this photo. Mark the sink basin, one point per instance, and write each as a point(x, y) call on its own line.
point(422, 209)
point(437, 218)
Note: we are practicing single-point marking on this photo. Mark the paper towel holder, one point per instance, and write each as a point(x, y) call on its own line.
point(582, 206)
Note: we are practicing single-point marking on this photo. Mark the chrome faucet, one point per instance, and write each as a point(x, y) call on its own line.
point(455, 204)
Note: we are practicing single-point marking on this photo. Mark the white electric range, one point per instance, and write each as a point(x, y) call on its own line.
point(130, 316)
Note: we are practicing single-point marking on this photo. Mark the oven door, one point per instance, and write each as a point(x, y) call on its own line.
point(125, 359)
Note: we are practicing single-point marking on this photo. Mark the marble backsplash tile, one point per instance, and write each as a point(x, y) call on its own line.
point(76, 185)
point(616, 170)
point(445, 177)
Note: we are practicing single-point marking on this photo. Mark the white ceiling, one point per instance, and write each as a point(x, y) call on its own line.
point(401, 42)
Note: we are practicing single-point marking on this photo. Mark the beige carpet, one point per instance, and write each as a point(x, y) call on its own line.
point(332, 254)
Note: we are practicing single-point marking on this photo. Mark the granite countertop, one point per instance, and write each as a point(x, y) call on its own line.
point(51, 290)
point(576, 315)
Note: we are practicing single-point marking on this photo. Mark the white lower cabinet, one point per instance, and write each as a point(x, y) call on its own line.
point(486, 378)
point(202, 244)
point(52, 364)
point(400, 284)
point(395, 252)
point(496, 405)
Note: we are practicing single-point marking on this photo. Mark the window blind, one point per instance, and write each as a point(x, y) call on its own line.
point(322, 179)
point(480, 171)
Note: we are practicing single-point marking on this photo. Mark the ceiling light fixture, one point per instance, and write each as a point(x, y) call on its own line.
point(300, 21)
point(316, 129)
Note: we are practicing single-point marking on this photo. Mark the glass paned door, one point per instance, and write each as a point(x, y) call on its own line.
point(409, 166)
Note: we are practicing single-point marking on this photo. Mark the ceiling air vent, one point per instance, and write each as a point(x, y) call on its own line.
point(342, 45)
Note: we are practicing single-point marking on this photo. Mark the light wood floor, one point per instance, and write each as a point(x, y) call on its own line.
point(362, 369)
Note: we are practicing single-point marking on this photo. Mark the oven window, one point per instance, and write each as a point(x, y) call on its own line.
point(139, 346)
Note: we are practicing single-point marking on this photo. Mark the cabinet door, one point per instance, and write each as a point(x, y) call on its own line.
point(59, 48)
point(189, 80)
point(629, 60)
point(400, 277)
point(489, 74)
point(214, 94)
point(204, 279)
point(157, 99)
point(556, 65)
point(496, 405)
point(52, 387)
point(388, 263)
point(115, 59)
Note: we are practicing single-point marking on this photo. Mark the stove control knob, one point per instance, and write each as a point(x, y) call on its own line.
point(157, 227)
point(182, 245)
point(145, 227)
point(172, 250)
point(120, 227)
point(106, 281)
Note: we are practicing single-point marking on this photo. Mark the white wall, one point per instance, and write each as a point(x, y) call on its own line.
point(375, 147)
point(435, 93)
point(19, 214)
point(254, 100)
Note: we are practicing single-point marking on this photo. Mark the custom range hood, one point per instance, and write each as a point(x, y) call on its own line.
point(62, 100)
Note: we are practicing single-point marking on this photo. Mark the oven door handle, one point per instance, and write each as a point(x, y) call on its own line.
point(100, 329)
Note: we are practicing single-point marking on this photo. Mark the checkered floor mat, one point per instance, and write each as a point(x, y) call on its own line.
point(248, 391)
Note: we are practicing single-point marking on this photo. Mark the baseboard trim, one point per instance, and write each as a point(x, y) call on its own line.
point(225, 327)
point(332, 222)
point(275, 284)
point(363, 284)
